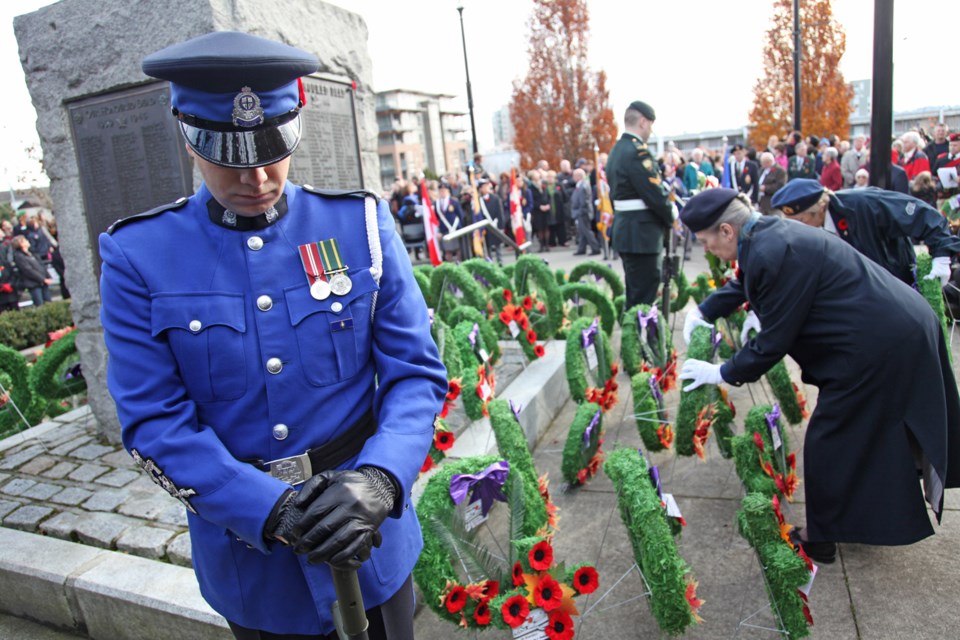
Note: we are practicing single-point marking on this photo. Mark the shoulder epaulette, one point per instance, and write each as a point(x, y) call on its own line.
point(640, 146)
point(341, 193)
point(170, 206)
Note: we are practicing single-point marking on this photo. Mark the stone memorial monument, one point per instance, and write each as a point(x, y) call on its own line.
point(111, 148)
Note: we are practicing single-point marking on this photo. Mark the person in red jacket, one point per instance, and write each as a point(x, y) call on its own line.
point(913, 160)
point(832, 177)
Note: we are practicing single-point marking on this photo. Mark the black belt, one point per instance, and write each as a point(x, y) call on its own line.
point(296, 469)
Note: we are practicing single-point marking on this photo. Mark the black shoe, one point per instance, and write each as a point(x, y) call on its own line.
point(580, 253)
point(822, 552)
point(594, 253)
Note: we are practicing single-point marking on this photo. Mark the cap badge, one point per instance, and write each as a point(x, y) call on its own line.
point(247, 111)
point(787, 210)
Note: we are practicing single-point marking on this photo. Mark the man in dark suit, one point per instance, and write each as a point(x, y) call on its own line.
point(801, 165)
point(643, 211)
point(772, 178)
point(744, 175)
point(887, 403)
point(450, 216)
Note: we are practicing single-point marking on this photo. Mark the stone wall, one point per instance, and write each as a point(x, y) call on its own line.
point(78, 48)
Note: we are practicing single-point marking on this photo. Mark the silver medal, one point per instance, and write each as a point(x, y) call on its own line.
point(320, 290)
point(341, 284)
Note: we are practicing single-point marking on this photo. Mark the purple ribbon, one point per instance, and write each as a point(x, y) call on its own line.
point(473, 335)
point(773, 417)
point(481, 280)
point(430, 314)
point(590, 427)
point(648, 319)
point(655, 389)
point(515, 407)
point(587, 335)
point(716, 337)
point(487, 485)
point(655, 479)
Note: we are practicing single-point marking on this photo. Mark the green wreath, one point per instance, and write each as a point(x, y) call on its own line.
point(576, 363)
point(700, 408)
point(52, 375)
point(474, 406)
point(487, 274)
point(561, 277)
point(932, 293)
point(701, 288)
point(761, 467)
point(759, 522)
point(618, 303)
point(681, 288)
point(634, 352)
point(423, 283)
point(447, 346)
point(604, 307)
point(469, 314)
point(508, 270)
point(530, 268)
point(649, 413)
point(16, 381)
point(512, 444)
point(448, 274)
point(507, 309)
point(791, 401)
point(581, 453)
point(672, 596)
point(599, 271)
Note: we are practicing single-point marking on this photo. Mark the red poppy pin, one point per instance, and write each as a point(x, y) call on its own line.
point(842, 224)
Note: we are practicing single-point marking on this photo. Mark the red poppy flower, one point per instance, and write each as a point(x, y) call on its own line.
point(515, 611)
point(614, 369)
point(507, 295)
point(586, 580)
point(491, 589)
point(524, 323)
point(527, 303)
point(541, 556)
point(548, 593)
point(445, 410)
point(582, 476)
point(792, 461)
point(443, 440)
point(531, 337)
point(453, 389)
point(560, 626)
point(538, 350)
point(456, 599)
point(542, 308)
point(427, 465)
point(506, 317)
point(806, 612)
point(482, 614)
point(517, 574)
point(518, 313)
point(842, 224)
point(758, 440)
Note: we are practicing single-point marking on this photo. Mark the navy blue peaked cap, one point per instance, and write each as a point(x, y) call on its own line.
point(797, 196)
point(237, 96)
point(705, 208)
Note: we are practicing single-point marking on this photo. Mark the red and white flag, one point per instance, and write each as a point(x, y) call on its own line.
point(516, 210)
point(431, 225)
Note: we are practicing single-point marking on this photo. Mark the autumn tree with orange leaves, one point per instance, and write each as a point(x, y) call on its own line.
point(561, 109)
point(824, 94)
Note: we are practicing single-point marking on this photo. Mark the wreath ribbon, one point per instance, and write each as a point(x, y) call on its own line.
point(487, 485)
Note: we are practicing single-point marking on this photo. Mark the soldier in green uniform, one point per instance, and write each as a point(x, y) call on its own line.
point(642, 211)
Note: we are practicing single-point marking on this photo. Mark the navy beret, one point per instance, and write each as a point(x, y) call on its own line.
point(237, 96)
point(797, 195)
point(644, 109)
point(703, 210)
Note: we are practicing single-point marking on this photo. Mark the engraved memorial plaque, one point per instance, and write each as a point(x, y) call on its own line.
point(130, 154)
point(329, 153)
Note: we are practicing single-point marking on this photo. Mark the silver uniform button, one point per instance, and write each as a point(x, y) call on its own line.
point(336, 307)
point(280, 431)
point(274, 365)
point(264, 303)
point(255, 243)
point(195, 325)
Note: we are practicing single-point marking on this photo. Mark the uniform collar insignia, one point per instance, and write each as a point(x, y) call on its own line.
point(227, 219)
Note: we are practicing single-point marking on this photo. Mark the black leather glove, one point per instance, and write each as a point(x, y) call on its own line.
point(283, 518)
point(342, 511)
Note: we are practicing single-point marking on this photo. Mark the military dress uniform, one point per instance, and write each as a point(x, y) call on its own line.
point(227, 365)
point(643, 213)
point(887, 402)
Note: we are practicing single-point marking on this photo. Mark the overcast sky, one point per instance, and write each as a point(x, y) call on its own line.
point(695, 61)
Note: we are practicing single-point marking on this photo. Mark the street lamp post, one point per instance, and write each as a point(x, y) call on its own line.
point(463, 37)
point(796, 66)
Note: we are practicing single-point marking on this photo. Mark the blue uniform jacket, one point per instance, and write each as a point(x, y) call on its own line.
point(192, 312)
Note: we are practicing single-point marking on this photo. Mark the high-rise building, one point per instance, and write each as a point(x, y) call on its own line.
point(503, 132)
point(419, 131)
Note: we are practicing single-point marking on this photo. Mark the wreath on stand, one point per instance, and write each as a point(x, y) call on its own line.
point(706, 406)
point(600, 272)
point(446, 280)
point(786, 569)
point(789, 397)
point(57, 374)
point(487, 273)
point(18, 395)
point(514, 319)
point(582, 455)
point(681, 291)
point(487, 328)
point(673, 598)
point(588, 348)
point(561, 277)
point(649, 412)
point(546, 317)
point(645, 347)
point(577, 293)
point(478, 377)
point(760, 454)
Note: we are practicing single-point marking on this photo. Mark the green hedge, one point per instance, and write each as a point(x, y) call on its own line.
point(29, 327)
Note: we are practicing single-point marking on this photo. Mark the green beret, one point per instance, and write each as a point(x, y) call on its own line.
point(643, 108)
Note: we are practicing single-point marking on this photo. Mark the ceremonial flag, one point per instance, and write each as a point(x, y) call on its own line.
point(516, 209)
point(478, 246)
point(431, 226)
point(605, 206)
point(725, 180)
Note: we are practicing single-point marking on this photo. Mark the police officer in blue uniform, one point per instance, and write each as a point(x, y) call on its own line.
point(887, 405)
point(265, 338)
point(879, 224)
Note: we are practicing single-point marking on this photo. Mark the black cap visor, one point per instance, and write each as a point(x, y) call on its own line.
point(244, 149)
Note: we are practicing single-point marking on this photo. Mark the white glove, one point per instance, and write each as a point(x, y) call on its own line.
point(693, 320)
point(752, 322)
point(700, 373)
point(940, 269)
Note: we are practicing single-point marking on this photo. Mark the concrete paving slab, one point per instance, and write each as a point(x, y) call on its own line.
point(145, 541)
point(27, 517)
point(147, 507)
point(119, 459)
point(18, 486)
point(6, 506)
point(102, 529)
point(59, 470)
point(70, 445)
point(62, 526)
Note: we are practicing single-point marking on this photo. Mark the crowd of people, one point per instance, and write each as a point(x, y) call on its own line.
point(29, 246)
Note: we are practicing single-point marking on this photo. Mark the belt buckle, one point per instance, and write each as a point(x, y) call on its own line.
point(293, 470)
